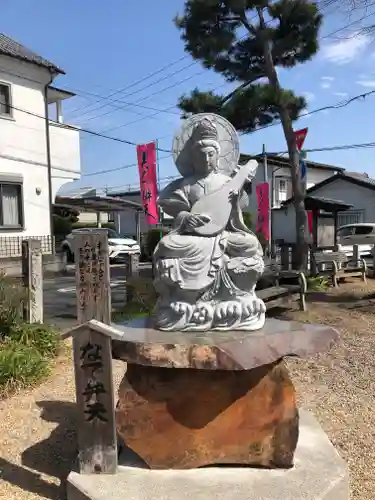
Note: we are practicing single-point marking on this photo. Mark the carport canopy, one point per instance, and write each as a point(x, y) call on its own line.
point(322, 203)
point(97, 204)
point(326, 204)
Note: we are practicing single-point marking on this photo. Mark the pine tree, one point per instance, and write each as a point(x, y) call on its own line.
point(245, 41)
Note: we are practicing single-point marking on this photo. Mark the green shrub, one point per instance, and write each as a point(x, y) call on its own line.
point(43, 337)
point(20, 366)
point(152, 239)
point(62, 225)
point(12, 299)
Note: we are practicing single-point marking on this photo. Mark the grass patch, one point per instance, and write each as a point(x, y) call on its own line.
point(20, 366)
point(26, 351)
point(43, 337)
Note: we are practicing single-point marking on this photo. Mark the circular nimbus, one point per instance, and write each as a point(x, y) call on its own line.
point(227, 138)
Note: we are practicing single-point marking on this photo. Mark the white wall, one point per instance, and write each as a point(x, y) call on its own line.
point(23, 145)
point(65, 156)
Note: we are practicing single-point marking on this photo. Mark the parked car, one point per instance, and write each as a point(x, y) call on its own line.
point(361, 234)
point(118, 246)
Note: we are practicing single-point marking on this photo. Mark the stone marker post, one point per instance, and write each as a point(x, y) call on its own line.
point(131, 271)
point(97, 442)
point(92, 356)
point(32, 274)
point(92, 276)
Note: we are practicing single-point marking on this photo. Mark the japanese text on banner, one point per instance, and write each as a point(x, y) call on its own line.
point(146, 155)
point(263, 215)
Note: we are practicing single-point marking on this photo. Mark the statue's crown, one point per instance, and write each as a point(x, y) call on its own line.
point(206, 129)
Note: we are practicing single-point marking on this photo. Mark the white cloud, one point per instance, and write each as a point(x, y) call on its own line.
point(366, 83)
point(326, 85)
point(309, 96)
point(345, 51)
point(326, 81)
point(341, 94)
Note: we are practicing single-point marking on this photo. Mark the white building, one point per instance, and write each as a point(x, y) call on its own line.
point(352, 188)
point(37, 155)
point(279, 178)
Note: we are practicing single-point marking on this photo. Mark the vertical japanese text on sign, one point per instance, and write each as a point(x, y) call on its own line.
point(91, 360)
point(146, 155)
point(263, 214)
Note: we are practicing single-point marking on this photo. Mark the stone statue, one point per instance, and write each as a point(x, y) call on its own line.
point(207, 267)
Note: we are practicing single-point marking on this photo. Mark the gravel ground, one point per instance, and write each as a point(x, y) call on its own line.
point(37, 436)
point(37, 427)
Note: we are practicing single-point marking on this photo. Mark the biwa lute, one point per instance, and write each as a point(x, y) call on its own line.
point(217, 205)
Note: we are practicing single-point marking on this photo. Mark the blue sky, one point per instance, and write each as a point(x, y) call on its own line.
point(107, 49)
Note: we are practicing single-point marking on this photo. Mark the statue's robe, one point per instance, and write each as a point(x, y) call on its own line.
point(191, 261)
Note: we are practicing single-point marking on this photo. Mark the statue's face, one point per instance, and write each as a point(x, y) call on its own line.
point(206, 158)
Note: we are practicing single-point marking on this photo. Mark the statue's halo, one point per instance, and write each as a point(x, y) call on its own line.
point(227, 137)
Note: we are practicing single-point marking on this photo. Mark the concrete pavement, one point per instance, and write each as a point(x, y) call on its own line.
point(60, 303)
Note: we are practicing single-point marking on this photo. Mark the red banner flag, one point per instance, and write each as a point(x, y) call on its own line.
point(310, 217)
point(146, 154)
point(263, 216)
point(300, 136)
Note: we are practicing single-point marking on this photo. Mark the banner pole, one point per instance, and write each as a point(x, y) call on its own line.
point(158, 183)
point(265, 166)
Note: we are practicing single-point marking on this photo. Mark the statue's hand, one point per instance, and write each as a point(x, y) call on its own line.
point(233, 195)
point(192, 221)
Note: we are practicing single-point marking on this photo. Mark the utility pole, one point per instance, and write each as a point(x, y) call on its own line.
point(270, 195)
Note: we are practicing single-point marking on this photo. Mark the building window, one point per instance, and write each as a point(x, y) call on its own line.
point(5, 100)
point(282, 191)
point(11, 213)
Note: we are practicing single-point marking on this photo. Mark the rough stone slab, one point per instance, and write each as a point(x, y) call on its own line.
point(319, 474)
point(216, 416)
point(138, 342)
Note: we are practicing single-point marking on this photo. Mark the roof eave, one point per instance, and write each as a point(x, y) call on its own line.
point(52, 69)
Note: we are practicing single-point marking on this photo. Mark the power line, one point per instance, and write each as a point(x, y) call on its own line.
point(80, 129)
point(166, 109)
point(78, 91)
point(142, 79)
point(140, 90)
point(124, 167)
point(343, 147)
point(339, 105)
point(157, 92)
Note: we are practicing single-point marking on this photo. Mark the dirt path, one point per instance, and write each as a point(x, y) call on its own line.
point(37, 427)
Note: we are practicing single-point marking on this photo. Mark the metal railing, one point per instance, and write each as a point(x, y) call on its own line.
point(11, 246)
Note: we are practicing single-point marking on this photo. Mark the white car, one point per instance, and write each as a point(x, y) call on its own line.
point(118, 246)
point(361, 234)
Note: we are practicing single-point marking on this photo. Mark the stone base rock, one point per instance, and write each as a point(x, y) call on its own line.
point(188, 418)
point(319, 474)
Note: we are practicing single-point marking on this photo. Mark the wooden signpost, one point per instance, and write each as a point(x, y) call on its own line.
point(32, 274)
point(92, 276)
point(97, 441)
